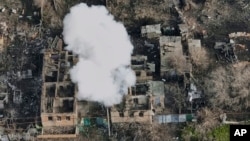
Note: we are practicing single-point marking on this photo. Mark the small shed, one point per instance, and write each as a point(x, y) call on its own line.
point(151, 31)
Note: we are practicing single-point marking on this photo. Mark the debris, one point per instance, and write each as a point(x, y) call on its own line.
point(193, 93)
point(14, 11)
point(227, 51)
point(3, 9)
point(29, 17)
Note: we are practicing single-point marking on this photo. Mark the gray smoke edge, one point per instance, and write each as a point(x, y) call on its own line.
point(104, 49)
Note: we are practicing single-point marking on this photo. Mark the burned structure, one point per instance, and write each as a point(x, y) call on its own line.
point(176, 54)
point(242, 42)
point(157, 96)
point(226, 51)
point(237, 49)
point(143, 69)
point(58, 100)
point(143, 101)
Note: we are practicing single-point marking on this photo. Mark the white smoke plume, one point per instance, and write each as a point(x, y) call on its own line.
point(104, 49)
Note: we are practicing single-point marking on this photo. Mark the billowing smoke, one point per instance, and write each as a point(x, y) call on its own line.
point(104, 49)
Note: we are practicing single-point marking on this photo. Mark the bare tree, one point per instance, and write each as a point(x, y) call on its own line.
point(199, 58)
point(177, 62)
point(228, 88)
point(176, 98)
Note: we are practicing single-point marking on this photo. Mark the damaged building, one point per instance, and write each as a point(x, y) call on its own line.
point(143, 101)
point(3, 96)
point(143, 69)
point(169, 46)
point(171, 56)
point(151, 31)
point(232, 52)
point(157, 96)
point(58, 100)
point(242, 42)
point(226, 51)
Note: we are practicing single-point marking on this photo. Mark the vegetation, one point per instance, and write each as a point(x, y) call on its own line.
point(227, 87)
point(200, 59)
point(189, 133)
point(93, 133)
point(220, 133)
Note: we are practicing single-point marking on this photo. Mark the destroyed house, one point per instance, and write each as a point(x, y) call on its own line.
point(151, 31)
point(135, 106)
point(142, 101)
point(241, 48)
point(242, 52)
point(226, 51)
point(144, 70)
point(157, 96)
point(58, 100)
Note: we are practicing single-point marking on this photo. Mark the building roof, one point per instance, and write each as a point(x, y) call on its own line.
point(218, 45)
point(194, 43)
point(144, 70)
point(151, 31)
point(139, 58)
point(156, 87)
point(170, 40)
point(137, 102)
point(156, 28)
point(169, 46)
point(151, 67)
